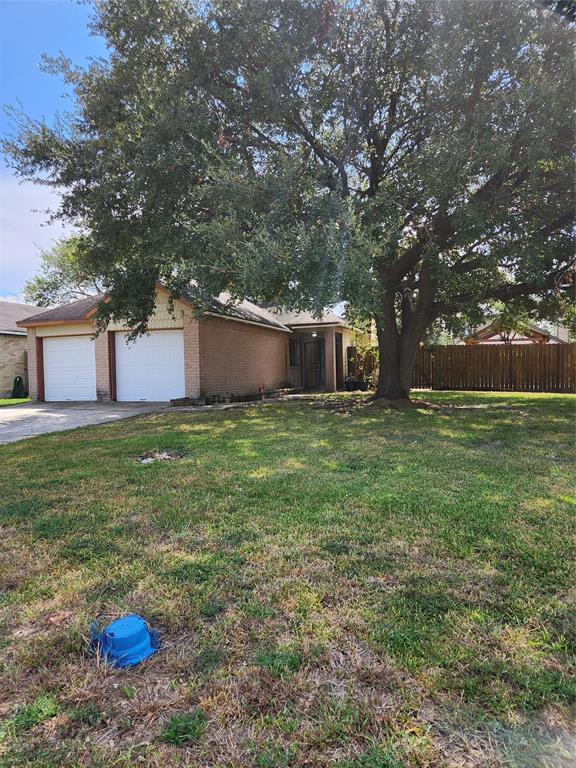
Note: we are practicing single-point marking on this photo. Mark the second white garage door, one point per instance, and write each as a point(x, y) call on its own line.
point(150, 368)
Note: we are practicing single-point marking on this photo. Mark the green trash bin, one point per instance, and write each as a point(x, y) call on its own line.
point(19, 390)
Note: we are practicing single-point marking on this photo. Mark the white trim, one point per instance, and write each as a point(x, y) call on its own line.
point(13, 333)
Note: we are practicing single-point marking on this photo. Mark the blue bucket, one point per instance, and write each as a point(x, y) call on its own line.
point(125, 642)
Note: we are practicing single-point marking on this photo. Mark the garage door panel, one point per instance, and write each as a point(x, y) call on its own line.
point(69, 368)
point(151, 368)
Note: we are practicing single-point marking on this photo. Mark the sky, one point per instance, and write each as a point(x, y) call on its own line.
point(29, 28)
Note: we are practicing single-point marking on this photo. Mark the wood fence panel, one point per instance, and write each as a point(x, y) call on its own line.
point(422, 377)
point(497, 367)
point(485, 367)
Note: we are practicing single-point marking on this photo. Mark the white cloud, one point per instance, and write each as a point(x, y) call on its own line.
point(25, 231)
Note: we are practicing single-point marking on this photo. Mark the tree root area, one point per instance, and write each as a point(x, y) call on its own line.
point(405, 404)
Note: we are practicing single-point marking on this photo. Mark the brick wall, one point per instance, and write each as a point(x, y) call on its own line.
point(102, 352)
point(12, 361)
point(237, 357)
point(191, 333)
point(32, 364)
point(161, 318)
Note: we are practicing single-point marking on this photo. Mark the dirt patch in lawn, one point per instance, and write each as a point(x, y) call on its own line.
point(151, 456)
point(403, 405)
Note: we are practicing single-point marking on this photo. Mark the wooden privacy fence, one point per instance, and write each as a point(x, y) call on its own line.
point(497, 367)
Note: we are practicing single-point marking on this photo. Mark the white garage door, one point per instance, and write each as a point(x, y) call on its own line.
point(150, 368)
point(69, 368)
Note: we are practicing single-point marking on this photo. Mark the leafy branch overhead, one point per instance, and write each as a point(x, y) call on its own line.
point(63, 276)
point(411, 158)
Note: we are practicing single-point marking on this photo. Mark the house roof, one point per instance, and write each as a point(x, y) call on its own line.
point(528, 331)
point(67, 313)
point(223, 306)
point(245, 311)
point(295, 319)
point(78, 311)
point(11, 313)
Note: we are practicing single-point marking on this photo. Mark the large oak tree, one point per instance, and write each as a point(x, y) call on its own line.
point(410, 157)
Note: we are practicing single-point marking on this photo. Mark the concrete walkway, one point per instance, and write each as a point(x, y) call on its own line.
point(18, 422)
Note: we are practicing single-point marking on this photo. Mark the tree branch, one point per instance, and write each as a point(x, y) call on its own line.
point(503, 293)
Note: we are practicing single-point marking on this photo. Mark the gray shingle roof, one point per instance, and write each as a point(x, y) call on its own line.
point(67, 312)
point(11, 313)
point(245, 311)
point(307, 318)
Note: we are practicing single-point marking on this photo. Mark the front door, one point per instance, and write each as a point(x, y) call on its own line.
point(313, 362)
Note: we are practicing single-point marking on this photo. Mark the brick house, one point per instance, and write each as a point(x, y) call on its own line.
point(13, 359)
point(227, 351)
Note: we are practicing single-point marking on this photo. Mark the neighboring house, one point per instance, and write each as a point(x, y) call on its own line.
point(13, 344)
point(229, 350)
point(530, 334)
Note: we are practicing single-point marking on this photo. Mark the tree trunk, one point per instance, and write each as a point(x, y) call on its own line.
point(389, 380)
point(397, 356)
point(401, 325)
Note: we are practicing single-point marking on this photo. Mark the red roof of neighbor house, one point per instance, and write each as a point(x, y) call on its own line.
point(12, 313)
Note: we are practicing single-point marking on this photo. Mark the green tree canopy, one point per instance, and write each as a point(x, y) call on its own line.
point(410, 157)
point(63, 277)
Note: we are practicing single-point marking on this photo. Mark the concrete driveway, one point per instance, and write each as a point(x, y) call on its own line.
point(20, 421)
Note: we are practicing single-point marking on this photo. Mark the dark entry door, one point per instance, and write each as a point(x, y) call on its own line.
point(313, 362)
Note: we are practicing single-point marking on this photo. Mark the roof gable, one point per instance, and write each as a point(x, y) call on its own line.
point(529, 332)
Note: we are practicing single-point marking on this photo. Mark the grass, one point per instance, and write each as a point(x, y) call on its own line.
point(13, 401)
point(28, 716)
point(280, 662)
point(333, 586)
point(185, 729)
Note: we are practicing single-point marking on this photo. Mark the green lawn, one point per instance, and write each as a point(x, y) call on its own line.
point(14, 401)
point(349, 588)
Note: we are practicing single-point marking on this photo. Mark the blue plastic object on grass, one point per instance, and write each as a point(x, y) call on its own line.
point(125, 642)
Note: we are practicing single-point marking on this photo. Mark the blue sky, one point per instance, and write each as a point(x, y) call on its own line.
point(29, 28)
